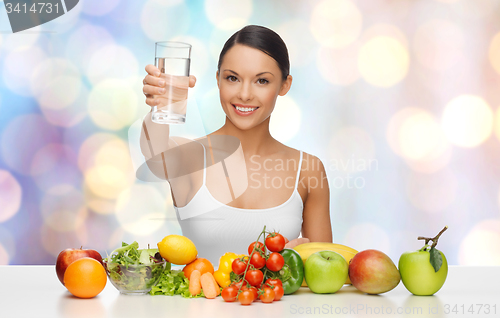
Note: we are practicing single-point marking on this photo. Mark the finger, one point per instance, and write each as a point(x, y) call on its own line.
point(154, 81)
point(296, 242)
point(153, 70)
point(291, 244)
point(153, 90)
point(302, 241)
point(177, 81)
point(151, 101)
point(192, 80)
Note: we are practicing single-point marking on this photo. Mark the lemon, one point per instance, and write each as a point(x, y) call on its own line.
point(177, 249)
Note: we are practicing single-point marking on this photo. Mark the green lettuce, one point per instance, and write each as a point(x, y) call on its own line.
point(126, 270)
point(173, 282)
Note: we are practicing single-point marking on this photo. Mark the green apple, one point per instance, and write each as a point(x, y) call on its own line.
point(325, 272)
point(424, 271)
point(418, 275)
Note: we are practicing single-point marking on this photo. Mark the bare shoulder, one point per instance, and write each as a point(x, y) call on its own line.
point(311, 165)
point(285, 150)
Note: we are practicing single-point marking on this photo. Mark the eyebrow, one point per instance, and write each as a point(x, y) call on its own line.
point(255, 75)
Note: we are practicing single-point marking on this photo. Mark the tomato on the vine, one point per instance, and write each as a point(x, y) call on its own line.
point(238, 266)
point(268, 295)
point(278, 292)
point(255, 292)
point(274, 281)
point(257, 261)
point(275, 242)
point(258, 245)
point(275, 262)
point(246, 297)
point(254, 277)
point(242, 283)
point(229, 293)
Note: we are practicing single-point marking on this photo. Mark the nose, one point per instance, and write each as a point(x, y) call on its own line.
point(245, 93)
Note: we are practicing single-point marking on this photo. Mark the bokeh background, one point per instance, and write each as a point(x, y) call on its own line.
point(399, 98)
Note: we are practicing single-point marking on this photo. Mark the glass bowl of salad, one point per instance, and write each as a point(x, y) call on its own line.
point(134, 271)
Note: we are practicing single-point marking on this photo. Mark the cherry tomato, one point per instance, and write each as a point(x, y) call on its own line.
point(278, 292)
point(255, 292)
point(238, 284)
point(246, 297)
point(275, 262)
point(229, 293)
point(254, 277)
point(258, 261)
point(275, 242)
point(268, 295)
point(238, 266)
point(274, 281)
point(259, 245)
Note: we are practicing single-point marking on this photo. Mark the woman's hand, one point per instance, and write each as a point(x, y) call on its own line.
point(297, 241)
point(161, 85)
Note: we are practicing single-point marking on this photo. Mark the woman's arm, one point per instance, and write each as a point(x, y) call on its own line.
point(316, 224)
point(154, 139)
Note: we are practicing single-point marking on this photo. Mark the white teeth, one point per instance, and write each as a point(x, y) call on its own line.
point(246, 109)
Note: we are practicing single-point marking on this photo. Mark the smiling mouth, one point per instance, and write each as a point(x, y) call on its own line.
point(245, 109)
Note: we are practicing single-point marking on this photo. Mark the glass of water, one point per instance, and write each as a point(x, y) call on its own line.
point(173, 60)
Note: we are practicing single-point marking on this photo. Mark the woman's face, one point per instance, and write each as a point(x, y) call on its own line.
point(249, 83)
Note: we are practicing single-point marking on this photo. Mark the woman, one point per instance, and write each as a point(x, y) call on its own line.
point(284, 189)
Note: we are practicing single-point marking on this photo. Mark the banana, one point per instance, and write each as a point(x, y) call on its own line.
point(307, 249)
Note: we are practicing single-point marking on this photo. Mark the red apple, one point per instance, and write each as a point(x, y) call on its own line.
point(373, 272)
point(70, 255)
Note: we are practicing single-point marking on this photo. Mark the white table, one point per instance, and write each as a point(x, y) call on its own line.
point(35, 291)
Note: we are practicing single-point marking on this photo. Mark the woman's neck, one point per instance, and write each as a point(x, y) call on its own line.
point(254, 141)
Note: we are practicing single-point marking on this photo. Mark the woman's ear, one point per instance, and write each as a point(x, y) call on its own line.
point(217, 77)
point(285, 86)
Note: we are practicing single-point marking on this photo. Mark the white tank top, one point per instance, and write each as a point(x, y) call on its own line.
point(228, 229)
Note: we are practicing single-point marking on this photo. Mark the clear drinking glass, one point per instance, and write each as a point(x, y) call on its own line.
point(173, 60)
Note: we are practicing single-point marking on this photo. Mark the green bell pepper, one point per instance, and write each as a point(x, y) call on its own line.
point(292, 273)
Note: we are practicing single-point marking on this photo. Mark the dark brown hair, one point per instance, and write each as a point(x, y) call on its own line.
point(261, 38)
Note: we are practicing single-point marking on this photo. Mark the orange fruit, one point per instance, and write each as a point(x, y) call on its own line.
point(85, 278)
point(201, 264)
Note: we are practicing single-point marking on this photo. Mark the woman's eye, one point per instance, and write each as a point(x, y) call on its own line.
point(262, 81)
point(231, 78)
